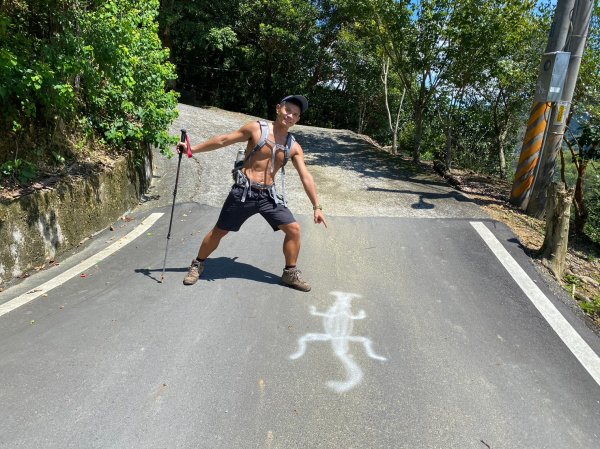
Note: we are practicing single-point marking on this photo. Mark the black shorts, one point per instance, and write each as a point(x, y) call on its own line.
point(235, 212)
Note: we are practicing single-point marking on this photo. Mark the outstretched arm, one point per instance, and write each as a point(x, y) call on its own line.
point(243, 134)
point(308, 183)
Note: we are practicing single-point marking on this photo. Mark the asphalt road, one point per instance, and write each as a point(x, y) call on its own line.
point(413, 336)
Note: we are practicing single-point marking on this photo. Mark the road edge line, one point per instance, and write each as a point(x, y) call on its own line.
point(576, 344)
point(36, 292)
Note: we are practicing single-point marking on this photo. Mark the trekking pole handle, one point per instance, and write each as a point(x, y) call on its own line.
point(184, 138)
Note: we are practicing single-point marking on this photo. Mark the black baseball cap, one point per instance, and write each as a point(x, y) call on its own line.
point(298, 99)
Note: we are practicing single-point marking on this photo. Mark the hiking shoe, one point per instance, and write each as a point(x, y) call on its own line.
point(292, 278)
point(194, 273)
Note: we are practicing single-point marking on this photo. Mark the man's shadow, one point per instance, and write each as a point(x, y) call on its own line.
point(219, 268)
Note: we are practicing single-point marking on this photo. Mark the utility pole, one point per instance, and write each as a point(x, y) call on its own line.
point(575, 44)
point(538, 118)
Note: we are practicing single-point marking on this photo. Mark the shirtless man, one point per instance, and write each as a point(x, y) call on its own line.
point(254, 191)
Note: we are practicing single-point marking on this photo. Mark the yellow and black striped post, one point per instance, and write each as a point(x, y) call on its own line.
point(530, 154)
point(537, 125)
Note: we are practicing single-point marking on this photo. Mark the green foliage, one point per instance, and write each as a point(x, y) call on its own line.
point(221, 38)
point(586, 146)
point(241, 55)
point(589, 143)
point(59, 158)
point(592, 228)
point(68, 66)
point(592, 307)
point(126, 96)
point(20, 170)
point(573, 280)
point(358, 73)
point(452, 56)
point(34, 65)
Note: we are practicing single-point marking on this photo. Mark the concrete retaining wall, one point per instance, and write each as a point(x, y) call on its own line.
point(43, 225)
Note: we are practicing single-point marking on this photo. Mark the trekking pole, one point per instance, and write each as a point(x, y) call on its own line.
point(184, 138)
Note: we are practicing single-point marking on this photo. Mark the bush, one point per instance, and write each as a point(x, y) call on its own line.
point(592, 228)
point(125, 73)
point(21, 171)
point(77, 67)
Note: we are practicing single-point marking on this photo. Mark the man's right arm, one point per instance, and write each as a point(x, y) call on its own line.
point(241, 135)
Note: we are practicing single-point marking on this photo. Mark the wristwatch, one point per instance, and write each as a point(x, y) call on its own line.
point(317, 207)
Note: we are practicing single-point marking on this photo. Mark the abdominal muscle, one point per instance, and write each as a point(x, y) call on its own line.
point(257, 167)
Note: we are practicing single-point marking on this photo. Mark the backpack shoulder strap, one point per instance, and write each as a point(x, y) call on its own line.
point(286, 155)
point(264, 135)
point(288, 147)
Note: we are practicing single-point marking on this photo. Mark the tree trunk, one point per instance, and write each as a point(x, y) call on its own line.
point(501, 155)
point(384, 77)
point(449, 147)
point(395, 131)
point(418, 134)
point(166, 10)
point(581, 212)
point(556, 240)
point(500, 131)
point(362, 111)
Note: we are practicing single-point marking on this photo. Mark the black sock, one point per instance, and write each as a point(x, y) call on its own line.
point(288, 267)
point(200, 260)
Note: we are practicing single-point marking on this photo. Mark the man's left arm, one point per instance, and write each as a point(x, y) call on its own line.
point(309, 184)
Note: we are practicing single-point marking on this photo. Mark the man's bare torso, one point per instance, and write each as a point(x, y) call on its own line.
point(257, 166)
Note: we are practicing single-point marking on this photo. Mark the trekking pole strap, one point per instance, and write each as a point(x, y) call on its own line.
point(188, 144)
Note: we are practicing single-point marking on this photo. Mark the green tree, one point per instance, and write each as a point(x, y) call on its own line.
point(585, 144)
point(357, 75)
point(279, 42)
point(444, 51)
point(68, 66)
point(244, 55)
point(125, 74)
point(514, 39)
point(205, 49)
point(429, 43)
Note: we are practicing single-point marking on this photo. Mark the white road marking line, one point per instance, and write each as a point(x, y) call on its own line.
point(82, 266)
point(586, 355)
